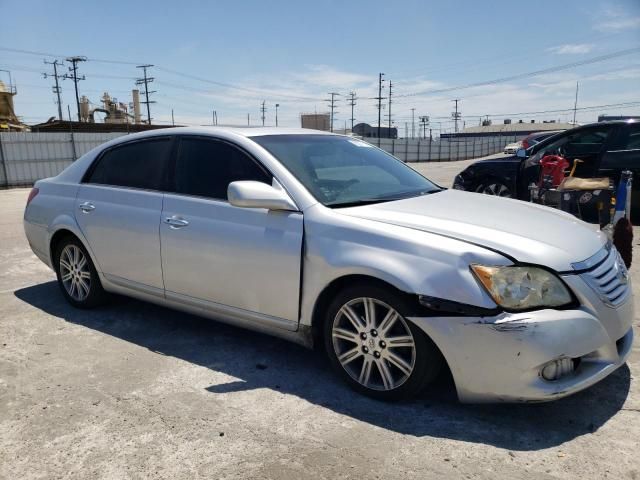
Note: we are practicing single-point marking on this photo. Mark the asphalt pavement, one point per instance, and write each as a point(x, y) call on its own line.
point(131, 390)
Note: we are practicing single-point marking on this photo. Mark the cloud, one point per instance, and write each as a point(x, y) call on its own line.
point(615, 25)
point(614, 19)
point(571, 49)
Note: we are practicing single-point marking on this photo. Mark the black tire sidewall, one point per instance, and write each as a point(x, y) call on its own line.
point(96, 292)
point(428, 358)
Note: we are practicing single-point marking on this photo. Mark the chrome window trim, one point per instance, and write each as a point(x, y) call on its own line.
point(594, 260)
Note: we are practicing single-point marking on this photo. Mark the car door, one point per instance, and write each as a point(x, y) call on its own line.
point(118, 210)
point(586, 147)
point(242, 261)
point(624, 154)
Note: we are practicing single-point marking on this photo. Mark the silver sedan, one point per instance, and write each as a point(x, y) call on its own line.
point(328, 241)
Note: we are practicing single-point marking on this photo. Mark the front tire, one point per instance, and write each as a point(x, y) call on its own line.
point(77, 276)
point(494, 187)
point(374, 348)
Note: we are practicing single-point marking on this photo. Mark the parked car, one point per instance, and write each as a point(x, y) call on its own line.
point(605, 149)
point(327, 240)
point(534, 138)
point(512, 147)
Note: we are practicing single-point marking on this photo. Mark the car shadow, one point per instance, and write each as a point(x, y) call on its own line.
point(260, 361)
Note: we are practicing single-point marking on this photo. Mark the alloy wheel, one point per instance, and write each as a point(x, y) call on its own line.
point(497, 189)
point(373, 343)
point(75, 273)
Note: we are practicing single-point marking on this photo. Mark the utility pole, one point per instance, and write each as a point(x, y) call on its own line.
point(277, 105)
point(172, 120)
point(456, 115)
point(575, 105)
point(425, 121)
point(146, 81)
point(352, 103)
point(248, 119)
point(56, 89)
point(74, 76)
point(263, 109)
point(413, 123)
point(389, 112)
point(332, 102)
point(380, 98)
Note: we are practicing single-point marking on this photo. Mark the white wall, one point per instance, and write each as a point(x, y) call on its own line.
point(28, 156)
point(445, 149)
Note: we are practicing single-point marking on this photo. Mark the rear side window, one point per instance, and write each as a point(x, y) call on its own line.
point(631, 138)
point(135, 165)
point(206, 167)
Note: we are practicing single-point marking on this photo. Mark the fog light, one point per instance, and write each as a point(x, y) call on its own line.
point(557, 369)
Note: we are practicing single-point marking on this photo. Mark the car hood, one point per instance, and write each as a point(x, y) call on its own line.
point(527, 232)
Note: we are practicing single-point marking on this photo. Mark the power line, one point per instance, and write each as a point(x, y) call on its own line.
point(56, 88)
point(46, 54)
point(332, 102)
point(632, 104)
point(258, 91)
point(74, 76)
point(534, 73)
point(146, 81)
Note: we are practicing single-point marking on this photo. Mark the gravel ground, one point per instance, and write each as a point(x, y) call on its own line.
point(136, 391)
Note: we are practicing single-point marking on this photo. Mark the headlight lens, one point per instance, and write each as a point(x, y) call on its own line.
point(521, 288)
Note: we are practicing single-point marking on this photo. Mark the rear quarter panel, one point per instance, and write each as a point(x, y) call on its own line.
point(52, 209)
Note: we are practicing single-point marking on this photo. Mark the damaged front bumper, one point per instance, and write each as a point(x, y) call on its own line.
point(501, 358)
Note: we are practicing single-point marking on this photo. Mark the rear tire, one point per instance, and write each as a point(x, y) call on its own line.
point(374, 348)
point(77, 276)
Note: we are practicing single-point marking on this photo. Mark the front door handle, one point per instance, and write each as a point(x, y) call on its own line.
point(87, 207)
point(176, 222)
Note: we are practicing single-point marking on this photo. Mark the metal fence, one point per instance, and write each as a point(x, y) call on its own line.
point(444, 149)
point(29, 156)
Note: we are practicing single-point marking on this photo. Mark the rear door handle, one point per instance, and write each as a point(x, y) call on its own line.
point(176, 222)
point(87, 207)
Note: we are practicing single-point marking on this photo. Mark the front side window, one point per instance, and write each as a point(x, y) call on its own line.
point(585, 145)
point(134, 165)
point(206, 167)
point(340, 171)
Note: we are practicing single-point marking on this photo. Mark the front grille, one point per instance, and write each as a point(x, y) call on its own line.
point(607, 275)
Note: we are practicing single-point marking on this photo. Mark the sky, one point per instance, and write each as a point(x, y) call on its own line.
point(232, 56)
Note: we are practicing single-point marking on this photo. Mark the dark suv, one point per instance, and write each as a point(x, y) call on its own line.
point(605, 149)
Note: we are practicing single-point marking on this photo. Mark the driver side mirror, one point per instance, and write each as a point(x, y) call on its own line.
point(251, 194)
point(521, 153)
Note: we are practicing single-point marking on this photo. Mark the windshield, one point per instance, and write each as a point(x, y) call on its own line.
point(341, 171)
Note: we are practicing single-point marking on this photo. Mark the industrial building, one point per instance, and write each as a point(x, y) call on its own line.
point(8, 119)
point(316, 121)
point(117, 117)
point(520, 129)
point(367, 131)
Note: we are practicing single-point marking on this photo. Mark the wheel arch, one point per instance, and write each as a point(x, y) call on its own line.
point(324, 299)
point(66, 227)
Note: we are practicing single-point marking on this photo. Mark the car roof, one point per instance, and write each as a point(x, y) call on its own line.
point(242, 131)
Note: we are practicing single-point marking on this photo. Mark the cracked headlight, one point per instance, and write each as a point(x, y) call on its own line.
point(522, 288)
